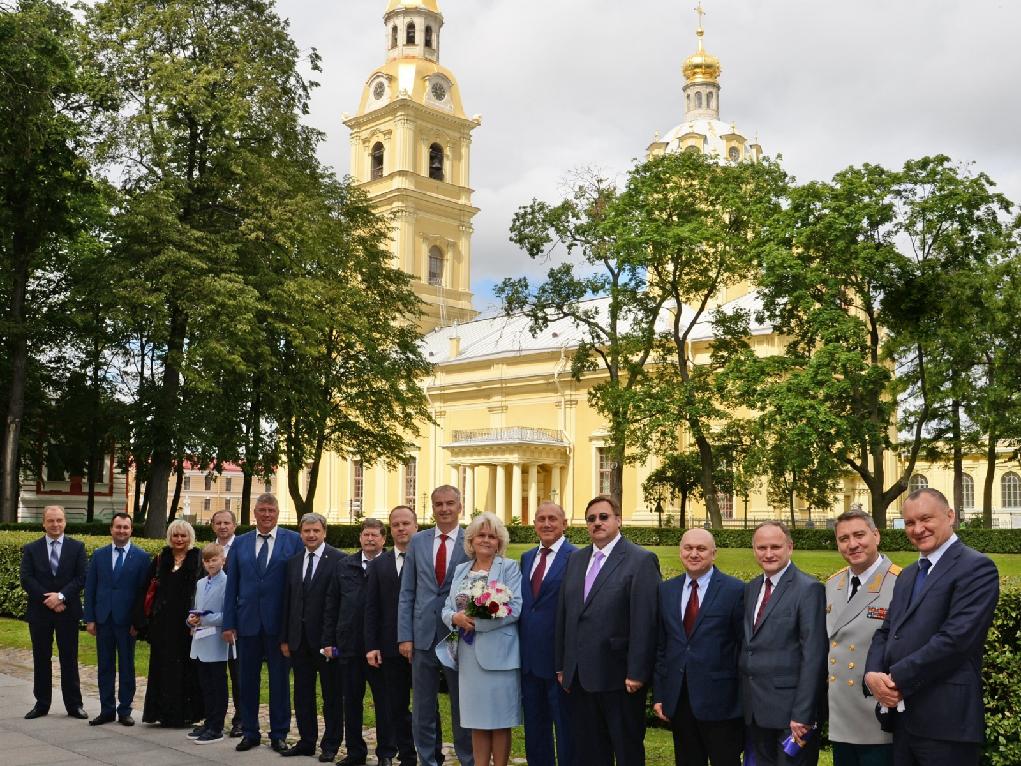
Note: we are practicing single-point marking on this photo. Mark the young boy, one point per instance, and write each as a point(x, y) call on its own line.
point(208, 647)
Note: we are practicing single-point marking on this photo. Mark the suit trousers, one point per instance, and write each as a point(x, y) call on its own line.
point(42, 630)
point(544, 703)
point(610, 727)
point(846, 754)
point(768, 745)
point(699, 743)
point(910, 750)
point(308, 665)
point(213, 680)
point(356, 673)
point(425, 711)
point(235, 686)
point(115, 656)
point(397, 689)
point(252, 650)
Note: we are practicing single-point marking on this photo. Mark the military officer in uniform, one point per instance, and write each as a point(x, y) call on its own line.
point(857, 598)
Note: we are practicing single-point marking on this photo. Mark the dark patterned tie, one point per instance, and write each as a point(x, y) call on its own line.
point(54, 557)
point(118, 563)
point(262, 560)
point(540, 570)
point(765, 600)
point(691, 611)
point(308, 569)
point(923, 570)
point(441, 560)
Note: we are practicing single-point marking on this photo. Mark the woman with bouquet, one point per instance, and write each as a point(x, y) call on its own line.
point(482, 609)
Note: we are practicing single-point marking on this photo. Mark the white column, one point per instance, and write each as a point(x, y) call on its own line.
point(469, 490)
point(515, 507)
point(501, 492)
point(455, 475)
point(533, 491)
point(555, 484)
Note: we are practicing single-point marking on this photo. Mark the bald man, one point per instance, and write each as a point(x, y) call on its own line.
point(696, 682)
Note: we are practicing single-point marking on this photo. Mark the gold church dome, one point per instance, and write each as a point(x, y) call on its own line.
point(701, 66)
point(429, 5)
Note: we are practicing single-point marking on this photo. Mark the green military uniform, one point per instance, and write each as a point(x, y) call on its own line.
point(850, 625)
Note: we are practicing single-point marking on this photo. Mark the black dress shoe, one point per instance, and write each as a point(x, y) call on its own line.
point(78, 713)
point(102, 718)
point(328, 756)
point(237, 730)
point(349, 760)
point(385, 762)
point(37, 712)
point(125, 720)
point(278, 745)
point(246, 743)
point(294, 750)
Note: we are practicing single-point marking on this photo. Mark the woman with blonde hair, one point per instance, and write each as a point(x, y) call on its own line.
point(488, 661)
point(173, 697)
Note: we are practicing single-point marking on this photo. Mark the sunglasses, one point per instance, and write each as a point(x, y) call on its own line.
point(591, 519)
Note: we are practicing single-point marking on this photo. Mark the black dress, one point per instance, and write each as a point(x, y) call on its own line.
point(173, 696)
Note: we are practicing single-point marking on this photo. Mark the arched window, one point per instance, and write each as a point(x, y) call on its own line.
point(393, 36)
point(377, 161)
point(726, 503)
point(435, 266)
point(428, 37)
point(967, 491)
point(1010, 490)
point(409, 33)
point(436, 162)
point(708, 100)
point(917, 481)
point(698, 99)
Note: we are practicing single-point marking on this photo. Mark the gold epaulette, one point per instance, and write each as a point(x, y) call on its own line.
point(895, 570)
point(837, 573)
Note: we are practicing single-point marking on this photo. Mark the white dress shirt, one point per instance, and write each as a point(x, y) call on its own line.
point(775, 579)
point(703, 583)
point(451, 537)
point(259, 542)
point(553, 551)
point(937, 554)
point(317, 556)
point(124, 556)
point(865, 576)
point(606, 549)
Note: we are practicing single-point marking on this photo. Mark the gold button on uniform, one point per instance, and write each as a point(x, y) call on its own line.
point(851, 648)
point(850, 666)
point(834, 644)
point(850, 682)
point(833, 660)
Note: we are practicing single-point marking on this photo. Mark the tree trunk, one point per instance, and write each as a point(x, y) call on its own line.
point(253, 449)
point(684, 509)
point(93, 459)
point(712, 502)
point(138, 514)
point(178, 486)
point(145, 499)
point(958, 447)
point(790, 502)
point(17, 344)
point(987, 485)
point(246, 498)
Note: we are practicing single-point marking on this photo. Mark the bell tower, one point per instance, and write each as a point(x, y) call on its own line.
point(410, 149)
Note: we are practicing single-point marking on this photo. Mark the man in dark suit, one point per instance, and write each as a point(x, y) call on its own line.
point(606, 639)
point(925, 662)
point(344, 627)
point(53, 575)
point(543, 699)
point(252, 611)
point(701, 614)
point(305, 586)
point(783, 657)
point(116, 578)
point(224, 523)
point(433, 555)
point(382, 592)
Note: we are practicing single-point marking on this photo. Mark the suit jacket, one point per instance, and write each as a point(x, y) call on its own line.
point(611, 636)
point(109, 598)
point(496, 641)
point(850, 626)
point(211, 648)
point(538, 624)
point(253, 603)
point(305, 611)
point(709, 658)
point(783, 660)
point(422, 599)
point(933, 648)
point(37, 578)
point(382, 593)
point(344, 621)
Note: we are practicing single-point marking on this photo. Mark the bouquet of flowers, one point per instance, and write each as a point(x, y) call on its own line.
point(482, 601)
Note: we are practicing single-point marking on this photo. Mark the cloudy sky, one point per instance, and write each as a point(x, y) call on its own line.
point(567, 84)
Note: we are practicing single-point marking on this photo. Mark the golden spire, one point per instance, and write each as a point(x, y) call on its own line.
point(701, 66)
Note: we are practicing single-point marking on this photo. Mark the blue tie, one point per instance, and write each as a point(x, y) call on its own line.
point(262, 560)
point(118, 564)
point(923, 570)
point(54, 557)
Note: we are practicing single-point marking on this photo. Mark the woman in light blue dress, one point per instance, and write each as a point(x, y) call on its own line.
point(488, 659)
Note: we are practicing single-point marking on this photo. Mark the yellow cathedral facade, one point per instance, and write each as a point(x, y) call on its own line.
point(510, 428)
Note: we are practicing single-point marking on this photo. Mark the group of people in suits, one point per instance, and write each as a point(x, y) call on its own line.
point(890, 658)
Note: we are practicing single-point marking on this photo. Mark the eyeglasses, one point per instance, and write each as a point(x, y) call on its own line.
point(591, 519)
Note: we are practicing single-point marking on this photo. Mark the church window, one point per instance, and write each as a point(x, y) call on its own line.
point(709, 100)
point(357, 485)
point(410, 481)
point(393, 36)
point(918, 481)
point(377, 161)
point(734, 154)
point(409, 33)
point(435, 266)
point(698, 100)
point(605, 469)
point(436, 162)
point(428, 37)
point(1010, 489)
point(967, 491)
point(688, 97)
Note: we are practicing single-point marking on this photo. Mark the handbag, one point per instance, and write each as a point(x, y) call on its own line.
point(150, 592)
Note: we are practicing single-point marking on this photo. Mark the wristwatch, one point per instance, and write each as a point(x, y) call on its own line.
point(60, 596)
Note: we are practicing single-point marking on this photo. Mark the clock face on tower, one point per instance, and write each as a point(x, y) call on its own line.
point(378, 90)
point(439, 92)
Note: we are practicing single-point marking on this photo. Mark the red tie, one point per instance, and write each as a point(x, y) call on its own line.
point(691, 611)
point(540, 570)
point(765, 600)
point(441, 561)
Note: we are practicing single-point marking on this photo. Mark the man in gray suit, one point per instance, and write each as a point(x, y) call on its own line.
point(783, 656)
point(857, 598)
point(429, 565)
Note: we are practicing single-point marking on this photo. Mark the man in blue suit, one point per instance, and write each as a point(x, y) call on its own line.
point(252, 615)
point(696, 685)
point(925, 662)
point(116, 578)
point(543, 699)
point(433, 554)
